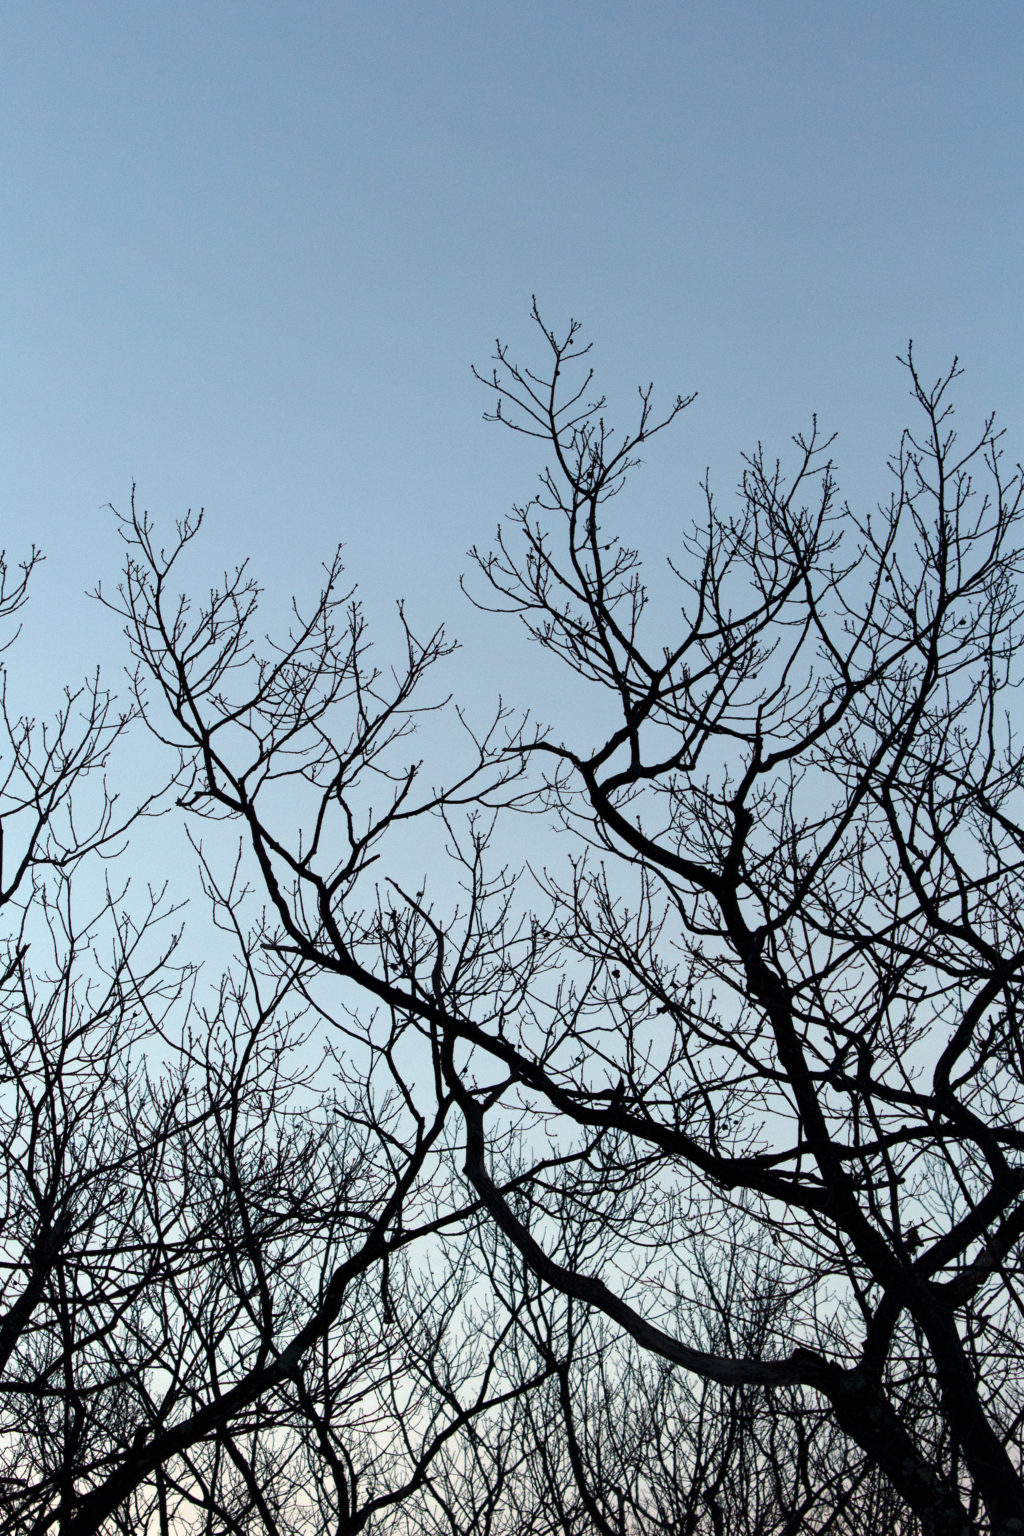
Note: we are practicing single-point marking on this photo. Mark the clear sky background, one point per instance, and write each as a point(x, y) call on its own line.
point(251, 249)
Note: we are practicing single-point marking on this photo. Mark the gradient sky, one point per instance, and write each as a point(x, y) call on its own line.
point(250, 251)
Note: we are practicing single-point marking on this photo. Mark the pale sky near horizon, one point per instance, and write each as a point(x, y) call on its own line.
point(250, 251)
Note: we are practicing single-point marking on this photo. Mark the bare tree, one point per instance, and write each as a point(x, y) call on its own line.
point(802, 980)
point(226, 1299)
point(775, 988)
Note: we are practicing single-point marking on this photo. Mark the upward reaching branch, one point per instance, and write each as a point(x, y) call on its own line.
point(719, 1086)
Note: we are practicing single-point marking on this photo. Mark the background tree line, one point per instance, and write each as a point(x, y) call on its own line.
point(671, 1183)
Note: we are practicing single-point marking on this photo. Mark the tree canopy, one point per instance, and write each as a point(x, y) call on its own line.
point(669, 1178)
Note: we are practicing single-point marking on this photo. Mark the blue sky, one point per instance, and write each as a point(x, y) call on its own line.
point(250, 251)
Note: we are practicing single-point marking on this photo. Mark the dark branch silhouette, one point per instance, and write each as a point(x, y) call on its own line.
point(673, 1181)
